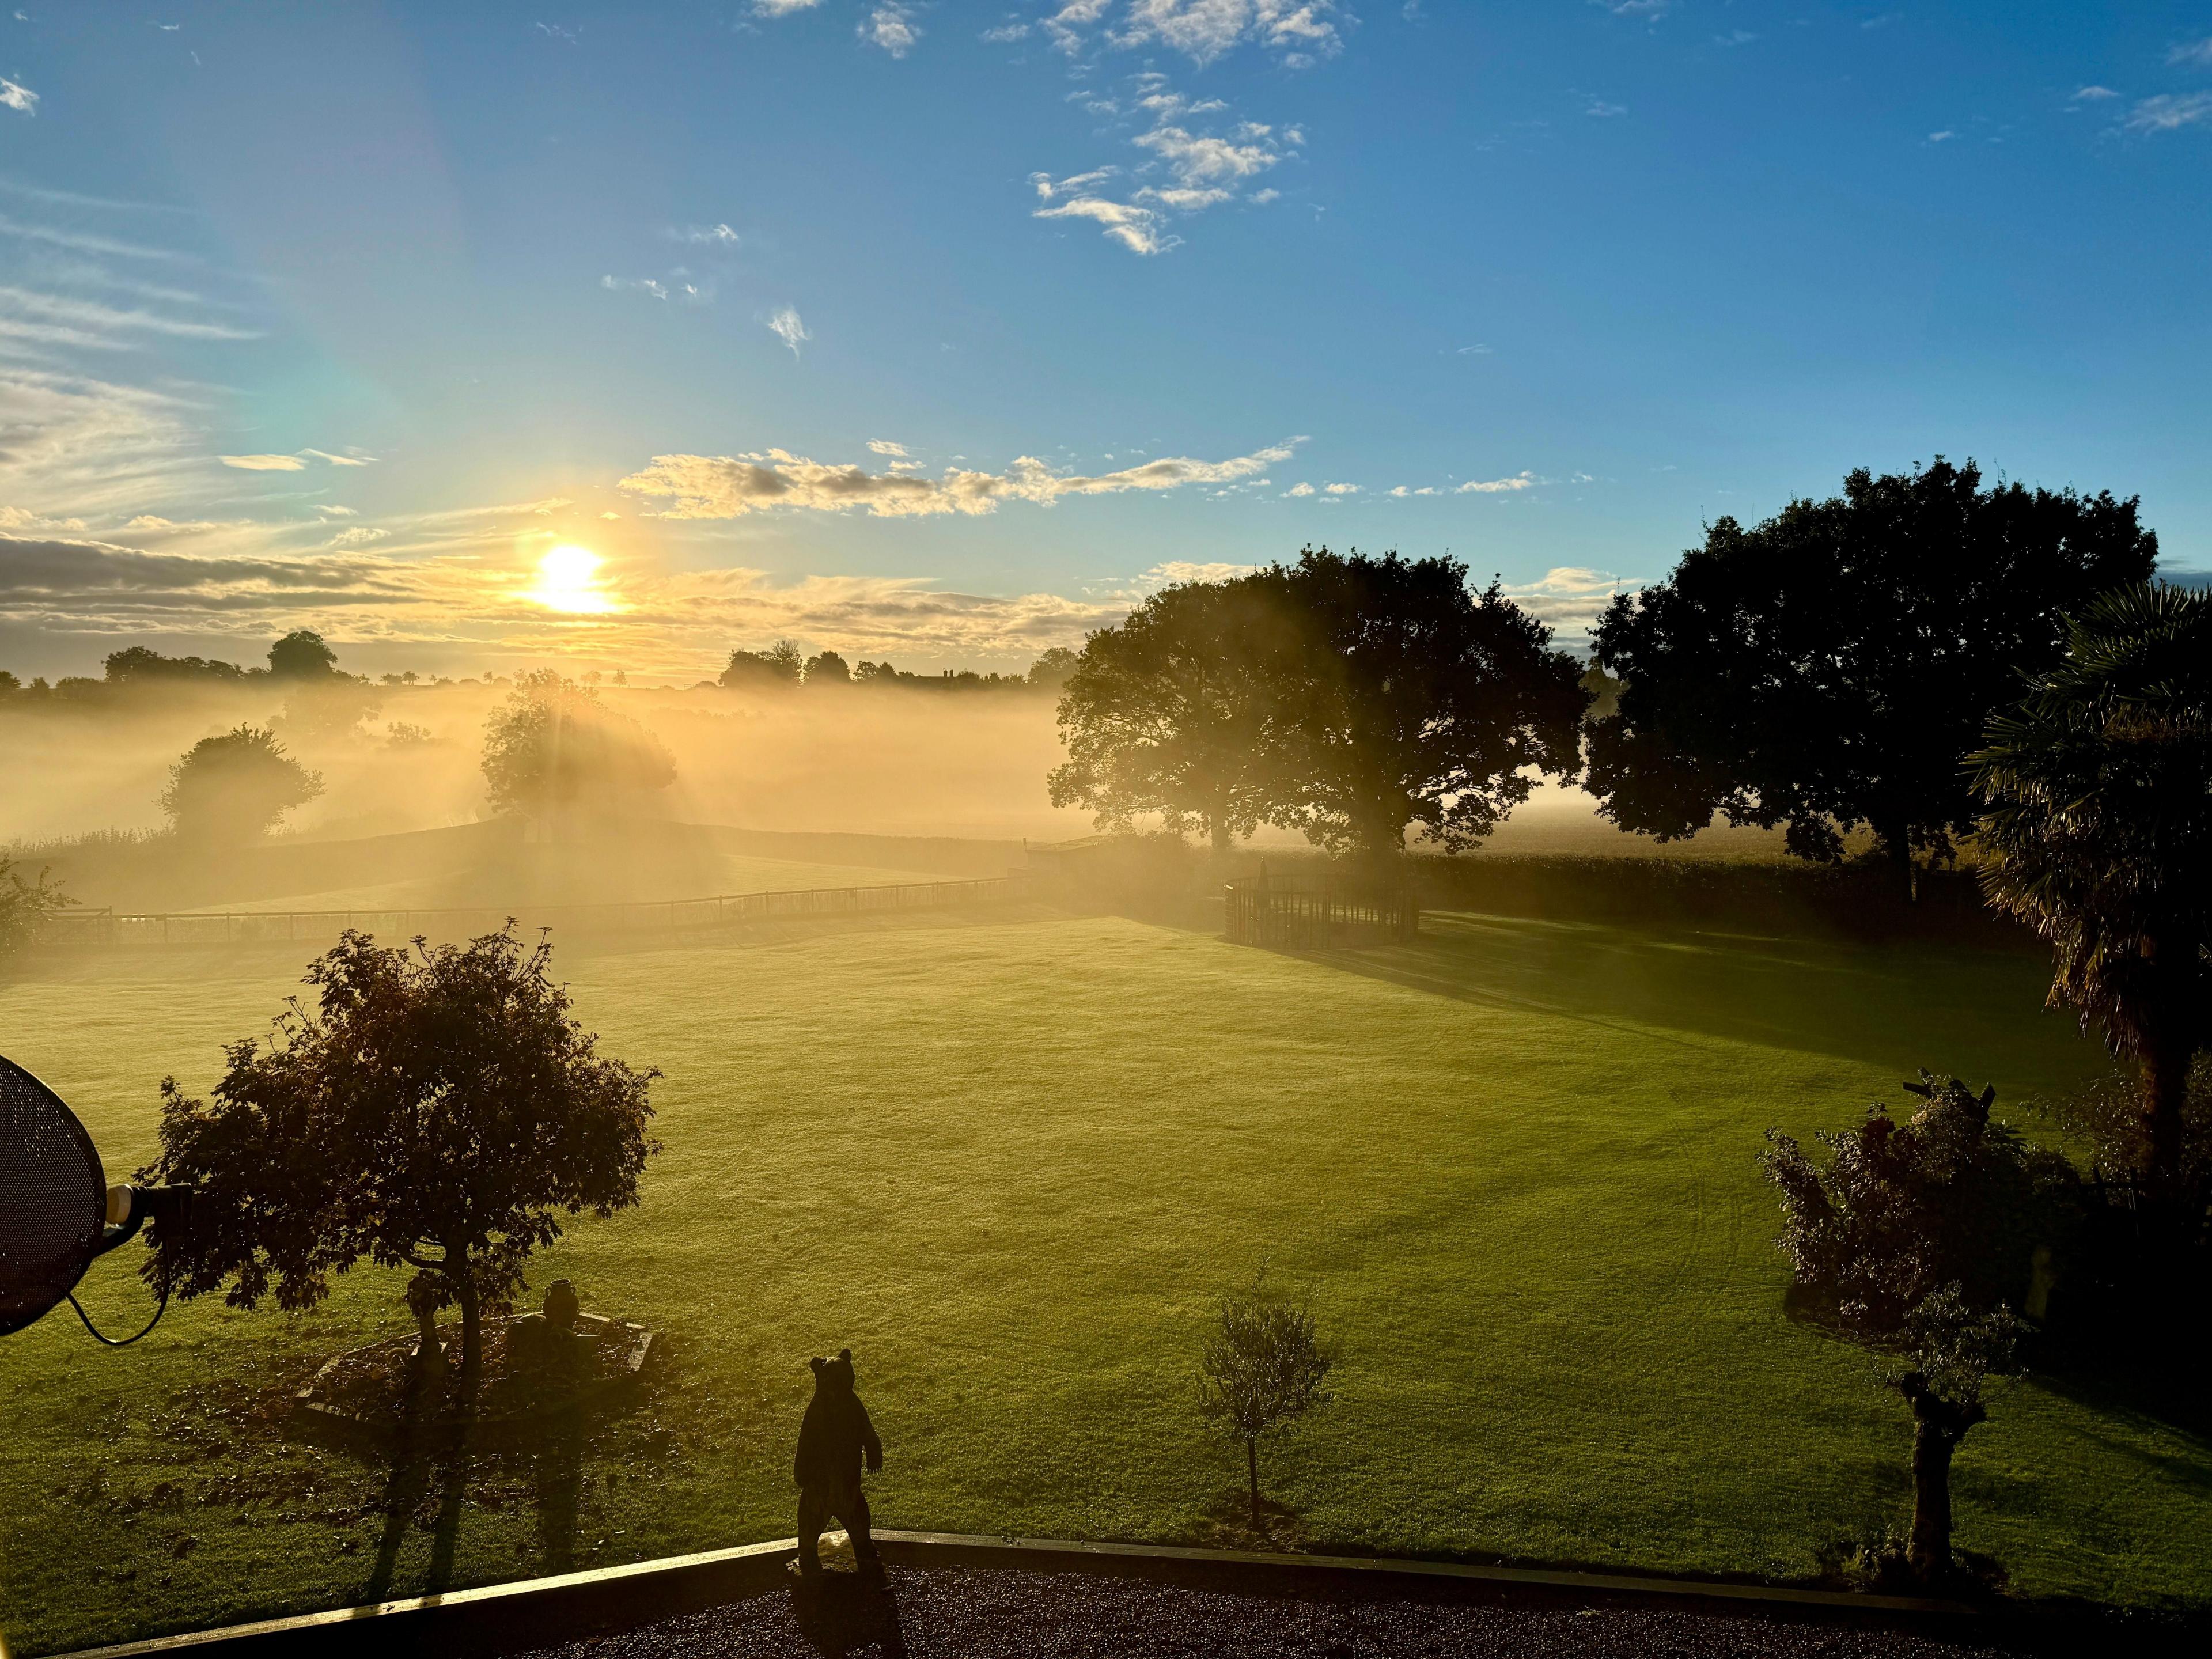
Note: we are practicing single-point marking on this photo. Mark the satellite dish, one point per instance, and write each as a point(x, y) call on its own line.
point(53, 1198)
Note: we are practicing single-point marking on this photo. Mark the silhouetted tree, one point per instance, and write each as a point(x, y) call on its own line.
point(439, 1109)
point(236, 787)
point(24, 905)
point(1053, 669)
point(1179, 710)
point(136, 664)
point(552, 745)
point(1261, 1372)
point(1900, 1210)
point(781, 665)
point(2099, 835)
point(828, 668)
point(1420, 702)
point(1828, 667)
point(302, 655)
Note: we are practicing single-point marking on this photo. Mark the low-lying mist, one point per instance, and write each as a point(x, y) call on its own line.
point(870, 783)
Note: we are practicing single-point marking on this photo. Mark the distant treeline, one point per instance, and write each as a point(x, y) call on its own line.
point(785, 666)
point(300, 657)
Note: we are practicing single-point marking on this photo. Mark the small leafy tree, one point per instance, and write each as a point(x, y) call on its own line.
point(553, 743)
point(1951, 1351)
point(1899, 1210)
point(438, 1109)
point(236, 787)
point(2098, 834)
point(1180, 710)
point(1053, 669)
point(1262, 1371)
point(1422, 703)
point(24, 904)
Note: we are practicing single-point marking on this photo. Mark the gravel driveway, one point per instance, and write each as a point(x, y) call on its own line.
point(998, 1614)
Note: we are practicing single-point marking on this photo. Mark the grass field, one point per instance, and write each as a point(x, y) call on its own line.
point(1009, 1158)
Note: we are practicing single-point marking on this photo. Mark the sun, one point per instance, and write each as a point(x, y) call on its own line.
point(568, 580)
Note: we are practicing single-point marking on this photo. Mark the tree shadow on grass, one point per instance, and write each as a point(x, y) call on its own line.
point(1898, 1006)
point(416, 1472)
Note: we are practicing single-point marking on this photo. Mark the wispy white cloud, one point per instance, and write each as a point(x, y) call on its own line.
point(885, 447)
point(1299, 30)
point(2170, 112)
point(1202, 169)
point(1603, 111)
point(2092, 94)
point(1519, 482)
point(263, 463)
point(19, 98)
point(782, 8)
point(1344, 489)
point(1943, 138)
point(784, 324)
point(729, 487)
point(86, 242)
point(1137, 229)
point(358, 536)
point(340, 461)
point(2192, 52)
point(1299, 489)
point(1572, 598)
point(636, 285)
point(716, 235)
point(892, 27)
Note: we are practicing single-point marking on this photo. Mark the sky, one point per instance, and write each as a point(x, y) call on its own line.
point(621, 336)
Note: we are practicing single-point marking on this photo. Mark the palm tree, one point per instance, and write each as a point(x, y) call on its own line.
point(2099, 835)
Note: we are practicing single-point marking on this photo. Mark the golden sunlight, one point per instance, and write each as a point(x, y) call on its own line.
point(568, 580)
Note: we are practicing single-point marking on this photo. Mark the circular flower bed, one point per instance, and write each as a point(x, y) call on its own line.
point(538, 1375)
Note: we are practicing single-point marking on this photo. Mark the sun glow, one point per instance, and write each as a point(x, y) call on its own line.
point(568, 580)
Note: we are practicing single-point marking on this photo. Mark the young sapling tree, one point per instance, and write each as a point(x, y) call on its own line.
point(1262, 1371)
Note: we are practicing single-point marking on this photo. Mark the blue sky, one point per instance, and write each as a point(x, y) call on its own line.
point(940, 331)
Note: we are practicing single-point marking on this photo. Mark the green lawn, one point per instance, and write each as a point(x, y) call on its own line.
point(1009, 1159)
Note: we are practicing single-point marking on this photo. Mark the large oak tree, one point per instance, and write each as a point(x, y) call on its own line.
point(1180, 710)
point(1829, 667)
point(1422, 702)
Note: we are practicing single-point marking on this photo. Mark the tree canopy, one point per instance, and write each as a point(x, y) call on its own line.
point(302, 655)
point(236, 787)
point(2098, 834)
point(1426, 703)
point(553, 745)
point(1828, 668)
point(781, 665)
point(437, 1108)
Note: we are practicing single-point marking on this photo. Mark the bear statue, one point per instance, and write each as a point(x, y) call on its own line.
point(834, 1436)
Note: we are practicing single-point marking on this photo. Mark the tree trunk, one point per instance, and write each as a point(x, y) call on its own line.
point(2165, 1092)
point(1897, 842)
point(464, 1292)
point(1252, 1471)
point(1931, 1501)
point(1220, 838)
point(1938, 1427)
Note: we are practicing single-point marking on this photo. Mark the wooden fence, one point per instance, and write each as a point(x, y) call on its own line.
point(1316, 913)
point(112, 929)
